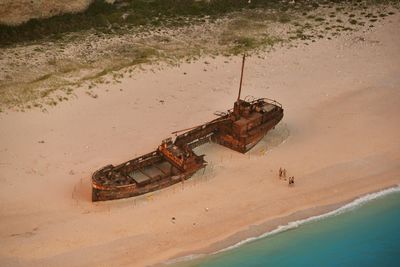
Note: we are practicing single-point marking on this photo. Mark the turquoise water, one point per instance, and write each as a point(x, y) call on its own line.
point(359, 235)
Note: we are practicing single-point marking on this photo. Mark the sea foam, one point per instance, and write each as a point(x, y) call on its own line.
point(345, 208)
point(291, 225)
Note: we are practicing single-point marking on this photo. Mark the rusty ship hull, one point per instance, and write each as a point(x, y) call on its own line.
point(139, 176)
point(253, 123)
point(239, 129)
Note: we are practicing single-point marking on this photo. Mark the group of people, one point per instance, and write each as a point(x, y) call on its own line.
point(282, 174)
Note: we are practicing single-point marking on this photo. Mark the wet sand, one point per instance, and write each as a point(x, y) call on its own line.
point(339, 138)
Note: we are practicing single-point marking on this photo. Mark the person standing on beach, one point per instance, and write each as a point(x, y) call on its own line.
point(291, 180)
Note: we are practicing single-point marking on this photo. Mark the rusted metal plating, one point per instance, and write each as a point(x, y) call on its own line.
point(239, 129)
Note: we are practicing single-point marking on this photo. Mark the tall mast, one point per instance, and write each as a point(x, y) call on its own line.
point(241, 77)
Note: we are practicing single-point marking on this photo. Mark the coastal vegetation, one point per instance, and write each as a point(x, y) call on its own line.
point(43, 61)
point(117, 18)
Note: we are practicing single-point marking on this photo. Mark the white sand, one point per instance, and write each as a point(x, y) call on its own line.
point(339, 138)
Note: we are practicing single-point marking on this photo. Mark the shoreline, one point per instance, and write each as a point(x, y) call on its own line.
point(279, 225)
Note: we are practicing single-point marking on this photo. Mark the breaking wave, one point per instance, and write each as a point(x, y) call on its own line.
point(345, 208)
point(292, 225)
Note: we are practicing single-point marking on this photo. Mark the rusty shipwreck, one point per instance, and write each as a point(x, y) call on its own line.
point(240, 129)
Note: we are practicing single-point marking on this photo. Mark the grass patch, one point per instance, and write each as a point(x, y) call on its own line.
point(284, 17)
point(353, 21)
point(42, 78)
point(242, 44)
point(166, 30)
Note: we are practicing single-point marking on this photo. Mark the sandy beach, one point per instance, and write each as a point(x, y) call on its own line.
point(339, 138)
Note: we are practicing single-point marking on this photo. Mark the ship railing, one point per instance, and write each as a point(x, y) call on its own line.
point(254, 100)
point(268, 100)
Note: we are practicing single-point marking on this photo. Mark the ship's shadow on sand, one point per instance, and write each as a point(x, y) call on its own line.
point(82, 191)
point(273, 139)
